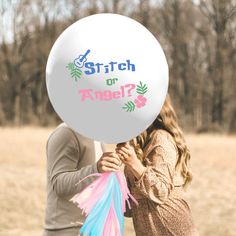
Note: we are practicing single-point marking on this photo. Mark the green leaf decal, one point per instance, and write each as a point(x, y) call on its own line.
point(75, 72)
point(141, 88)
point(71, 66)
point(129, 106)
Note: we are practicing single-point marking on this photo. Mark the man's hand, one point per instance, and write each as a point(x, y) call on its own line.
point(109, 161)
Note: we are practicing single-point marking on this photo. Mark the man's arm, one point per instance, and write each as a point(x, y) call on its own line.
point(63, 156)
point(63, 153)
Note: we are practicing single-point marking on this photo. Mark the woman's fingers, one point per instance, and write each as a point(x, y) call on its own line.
point(124, 150)
point(120, 144)
point(113, 155)
point(121, 152)
point(122, 159)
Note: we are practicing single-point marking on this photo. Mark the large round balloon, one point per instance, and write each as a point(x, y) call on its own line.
point(107, 77)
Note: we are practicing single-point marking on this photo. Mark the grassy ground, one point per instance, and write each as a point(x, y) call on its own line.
point(23, 182)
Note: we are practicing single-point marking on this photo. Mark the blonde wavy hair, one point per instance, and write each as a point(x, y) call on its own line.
point(166, 120)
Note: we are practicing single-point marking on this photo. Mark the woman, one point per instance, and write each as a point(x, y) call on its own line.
point(156, 168)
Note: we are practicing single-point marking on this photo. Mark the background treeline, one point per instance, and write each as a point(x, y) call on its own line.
point(198, 37)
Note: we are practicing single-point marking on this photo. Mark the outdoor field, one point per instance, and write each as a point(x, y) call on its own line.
point(212, 195)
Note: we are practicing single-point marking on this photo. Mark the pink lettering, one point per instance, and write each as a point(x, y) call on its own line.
point(86, 93)
point(106, 95)
point(116, 94)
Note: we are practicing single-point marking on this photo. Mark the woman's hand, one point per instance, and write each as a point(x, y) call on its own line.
point(128, 156)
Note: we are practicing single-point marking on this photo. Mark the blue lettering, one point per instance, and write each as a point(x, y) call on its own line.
point(122, 66)
point(130, 65)
point(98, 67)
point(90, 66)
point(112, 63)
point(106, 67)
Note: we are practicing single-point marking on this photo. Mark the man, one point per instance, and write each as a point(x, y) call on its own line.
point(70, 158)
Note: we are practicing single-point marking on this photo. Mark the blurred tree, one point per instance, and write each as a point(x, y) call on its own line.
point(219, 14)
point(198, 38)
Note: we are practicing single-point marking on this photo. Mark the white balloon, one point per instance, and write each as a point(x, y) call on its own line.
point(107, 77)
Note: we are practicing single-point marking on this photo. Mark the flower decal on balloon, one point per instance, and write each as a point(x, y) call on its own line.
point(140, 100)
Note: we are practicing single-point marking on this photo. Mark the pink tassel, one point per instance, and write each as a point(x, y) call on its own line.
point(103, 202)
point(83, 199)
point(111, 226)
point(125, 191)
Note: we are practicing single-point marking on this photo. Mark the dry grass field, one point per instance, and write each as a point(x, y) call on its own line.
point(212, 195)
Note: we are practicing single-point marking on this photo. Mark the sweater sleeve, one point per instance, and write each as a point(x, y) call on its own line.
point(156, 182)
point(63, 154)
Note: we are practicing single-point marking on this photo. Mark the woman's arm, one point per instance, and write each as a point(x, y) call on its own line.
point(156, 181)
